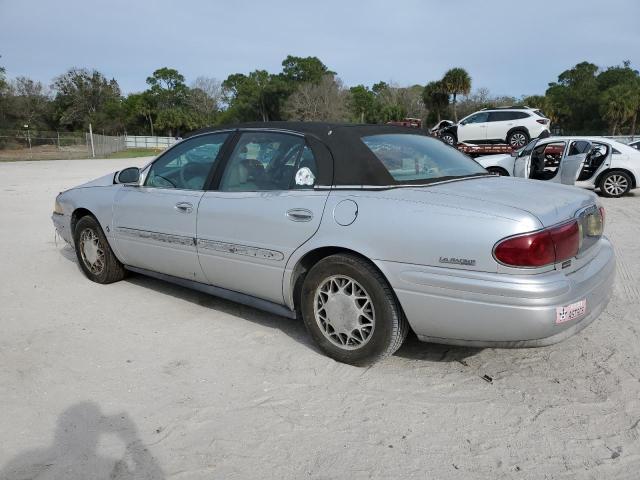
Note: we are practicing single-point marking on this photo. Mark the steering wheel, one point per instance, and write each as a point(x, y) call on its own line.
point(166, 180)
point(184, 181)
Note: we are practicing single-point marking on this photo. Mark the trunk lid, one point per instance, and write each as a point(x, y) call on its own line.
point(549, 203)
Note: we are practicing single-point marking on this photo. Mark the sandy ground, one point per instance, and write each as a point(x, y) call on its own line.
point(142, 379)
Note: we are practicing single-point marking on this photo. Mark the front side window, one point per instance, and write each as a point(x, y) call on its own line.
point(269, 161)
point(477, 118)
point(416, 158)
point(187, 165)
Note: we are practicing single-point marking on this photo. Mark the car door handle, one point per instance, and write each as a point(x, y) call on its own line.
point(299, 215)
point(184, 207)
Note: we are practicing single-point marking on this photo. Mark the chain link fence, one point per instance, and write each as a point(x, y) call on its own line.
point(18, 145)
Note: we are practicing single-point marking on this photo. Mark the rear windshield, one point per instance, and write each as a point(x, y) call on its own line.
point(416, 158)
point(540, 113)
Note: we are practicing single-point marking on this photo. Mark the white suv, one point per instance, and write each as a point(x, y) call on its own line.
point(512, 125)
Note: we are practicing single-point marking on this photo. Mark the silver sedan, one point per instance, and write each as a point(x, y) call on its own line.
point(365, 232)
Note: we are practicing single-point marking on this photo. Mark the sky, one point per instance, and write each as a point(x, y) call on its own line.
point(510, 47)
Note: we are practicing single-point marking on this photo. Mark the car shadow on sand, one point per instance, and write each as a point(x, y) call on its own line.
point(77, 450)
point(412, 348)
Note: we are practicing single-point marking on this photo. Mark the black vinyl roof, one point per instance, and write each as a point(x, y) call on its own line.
point(353, 162)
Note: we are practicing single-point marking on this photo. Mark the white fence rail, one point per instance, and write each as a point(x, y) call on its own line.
point(140, 141)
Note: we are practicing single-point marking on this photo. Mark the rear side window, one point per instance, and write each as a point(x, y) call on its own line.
point(416, 158)
point(269, 161)
point(505, 116)
point(499, 116)
point(579, 146)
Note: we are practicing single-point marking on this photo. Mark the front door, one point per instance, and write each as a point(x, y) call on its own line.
point(155, 222)
point(473, 128)
point(264, 208)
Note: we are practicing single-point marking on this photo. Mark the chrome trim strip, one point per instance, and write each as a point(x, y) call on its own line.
point(237, 249)
point(156, 236)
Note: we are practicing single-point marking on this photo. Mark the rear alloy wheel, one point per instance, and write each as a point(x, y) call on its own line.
point(518, 139)
point(351, 311)
point(615, 184)
point(449, 139)
point(94, 254)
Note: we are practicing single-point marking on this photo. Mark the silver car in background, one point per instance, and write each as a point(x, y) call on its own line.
point(363, 231)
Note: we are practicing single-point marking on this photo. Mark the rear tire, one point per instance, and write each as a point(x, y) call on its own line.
point(615, 184)
point(518, 139)
point(350, 310)
point(95, 257)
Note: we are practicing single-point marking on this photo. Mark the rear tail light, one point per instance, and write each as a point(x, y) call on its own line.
point(603, 215)
point(542, 121)
point(540, 248)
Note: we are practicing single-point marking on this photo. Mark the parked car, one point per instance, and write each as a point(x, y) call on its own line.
point(439, 126)
point(635, 144)
point(588, 162)
point(515, 126)
point(363, 231)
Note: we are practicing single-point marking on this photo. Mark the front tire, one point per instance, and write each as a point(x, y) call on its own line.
point(351, 311)
point(95, 257)
point(615, 184)
point(518, 139)
point(449, 139)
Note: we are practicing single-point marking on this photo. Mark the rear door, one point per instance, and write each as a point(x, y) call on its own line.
point(473, 128)
point(572, 164)
point(263, 208)
point(499, 123)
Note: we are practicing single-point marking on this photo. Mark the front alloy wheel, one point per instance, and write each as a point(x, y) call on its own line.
point(92, 251)
point(94, 254)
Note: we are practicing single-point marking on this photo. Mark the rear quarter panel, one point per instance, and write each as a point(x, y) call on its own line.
point(399, 225)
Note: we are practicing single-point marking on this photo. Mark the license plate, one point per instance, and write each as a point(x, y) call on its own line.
point(571, 312)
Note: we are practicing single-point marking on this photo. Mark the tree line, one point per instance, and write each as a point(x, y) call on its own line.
point(585, 99)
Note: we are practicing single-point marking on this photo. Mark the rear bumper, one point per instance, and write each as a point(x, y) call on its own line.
point(497, 310)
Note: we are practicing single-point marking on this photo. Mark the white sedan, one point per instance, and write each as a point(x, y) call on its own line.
point(588, 162)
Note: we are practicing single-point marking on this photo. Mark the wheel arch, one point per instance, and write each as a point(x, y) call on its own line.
point(312, 257)
point(519, 128)
point(617, 169)
point(77, 214)
point(503, 171)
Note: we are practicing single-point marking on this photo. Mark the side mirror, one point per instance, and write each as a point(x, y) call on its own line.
point(128, 176)
point(514, 153)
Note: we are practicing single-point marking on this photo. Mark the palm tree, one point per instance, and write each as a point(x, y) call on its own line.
point(456, 81)
point(617, 105)
point(435, 97)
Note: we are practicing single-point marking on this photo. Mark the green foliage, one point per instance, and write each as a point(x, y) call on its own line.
point(435, 98)
point(303, 70)
point(257, 96)
point(583, 100)
point(456, 81)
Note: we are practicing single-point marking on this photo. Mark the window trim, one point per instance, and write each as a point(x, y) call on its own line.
point(212, 169)
point(216, 179)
